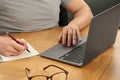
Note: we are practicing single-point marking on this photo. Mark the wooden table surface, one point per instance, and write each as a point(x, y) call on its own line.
point(105, 67)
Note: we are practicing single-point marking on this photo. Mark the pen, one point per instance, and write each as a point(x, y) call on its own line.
point(11, 36)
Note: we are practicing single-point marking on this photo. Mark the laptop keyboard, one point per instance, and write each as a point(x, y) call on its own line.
point(76, 55)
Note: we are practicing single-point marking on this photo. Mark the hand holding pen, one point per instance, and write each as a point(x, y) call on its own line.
point(11, 36)
point(10, 47)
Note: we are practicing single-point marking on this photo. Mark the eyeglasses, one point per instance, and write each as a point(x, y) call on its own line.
point(55, 76)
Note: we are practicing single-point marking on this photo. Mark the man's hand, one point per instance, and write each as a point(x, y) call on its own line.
point(82, 17)
point(69, 35)
point(9, 47)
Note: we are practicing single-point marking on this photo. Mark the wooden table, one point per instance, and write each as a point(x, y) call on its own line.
point(104, 67)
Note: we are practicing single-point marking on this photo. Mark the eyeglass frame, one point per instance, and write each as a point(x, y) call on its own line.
point(47, 77)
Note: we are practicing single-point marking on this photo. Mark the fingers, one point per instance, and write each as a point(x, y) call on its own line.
point(69, 40)
point(23, 42)
point(60, 38)
point(69, 35)
point(19, 48)
point(14, 49)
point(11, 51)
point(9, 47)
point(64, 36)
point(79, 36)
point(74, 37)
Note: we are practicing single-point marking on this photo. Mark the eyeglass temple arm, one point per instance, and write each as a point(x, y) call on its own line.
point(26, 71)
point(56, 67)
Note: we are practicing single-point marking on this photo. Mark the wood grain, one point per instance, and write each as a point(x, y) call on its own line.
point(104, 67)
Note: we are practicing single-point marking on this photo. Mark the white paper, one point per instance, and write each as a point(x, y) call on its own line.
point(25, 54)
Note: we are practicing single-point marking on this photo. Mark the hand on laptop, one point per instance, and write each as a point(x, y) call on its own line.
point(69, 35)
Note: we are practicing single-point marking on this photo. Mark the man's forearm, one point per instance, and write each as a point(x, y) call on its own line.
point(82, 17)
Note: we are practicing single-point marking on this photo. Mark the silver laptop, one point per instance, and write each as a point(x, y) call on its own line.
point(101, 36)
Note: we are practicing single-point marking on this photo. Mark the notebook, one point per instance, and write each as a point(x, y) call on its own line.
point(25, 54)
point(101, 36)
